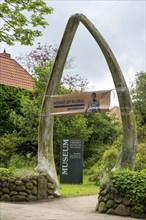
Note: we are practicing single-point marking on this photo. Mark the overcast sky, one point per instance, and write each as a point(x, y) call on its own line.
point(121, 23)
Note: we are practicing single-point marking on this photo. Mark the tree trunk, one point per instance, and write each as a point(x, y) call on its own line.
point(45, 134)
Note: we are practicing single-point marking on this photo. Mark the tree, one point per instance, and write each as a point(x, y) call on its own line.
point(138, 92)
point(41, 76)
point(20, 20)
point(74, 82)
point(40, 56)
point(26, 125)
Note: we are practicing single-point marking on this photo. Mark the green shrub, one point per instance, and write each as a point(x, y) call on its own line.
point(4, 172)
point(20, 161)
point(9, 101)
point(133, 185)
point(19, 165)
point(109, 158)
point(141, 157)
point(8, 144)
point(106, 163)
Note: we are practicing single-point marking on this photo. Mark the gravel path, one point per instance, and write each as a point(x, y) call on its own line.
point(73, 208)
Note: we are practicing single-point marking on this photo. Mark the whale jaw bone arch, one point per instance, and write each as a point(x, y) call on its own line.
point(45, 133)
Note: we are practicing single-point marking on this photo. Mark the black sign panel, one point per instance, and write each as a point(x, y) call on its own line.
point(71, 170)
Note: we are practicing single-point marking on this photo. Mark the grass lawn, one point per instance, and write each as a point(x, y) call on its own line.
point(87, 188)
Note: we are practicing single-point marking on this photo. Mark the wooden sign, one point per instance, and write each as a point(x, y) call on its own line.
point(80, 103)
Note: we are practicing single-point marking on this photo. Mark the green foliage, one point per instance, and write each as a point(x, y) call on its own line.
point(4, 172)
point(10, 100)
point(133, 185)
point(21, 17)
point(110, 156)
point(26, 123)
point(102, 124)
point(8, 146)
point(107, 162)
point(21, 161)
point(138, 92)
point(19, 165)
point(24, 171)
point(41, 75)
point(18, 124)
point(141, 157)
point(103, 134)
point(141, 131)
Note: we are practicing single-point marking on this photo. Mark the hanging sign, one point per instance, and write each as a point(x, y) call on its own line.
point(80, 103)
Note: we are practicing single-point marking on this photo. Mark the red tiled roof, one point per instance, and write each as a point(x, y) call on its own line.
point(13, 74)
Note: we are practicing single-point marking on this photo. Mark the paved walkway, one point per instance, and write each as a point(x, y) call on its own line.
point(74, 208)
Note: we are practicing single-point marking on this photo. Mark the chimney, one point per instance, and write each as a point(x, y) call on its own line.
point(5, 54)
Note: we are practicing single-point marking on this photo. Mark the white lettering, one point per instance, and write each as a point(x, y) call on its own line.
point(65, 149)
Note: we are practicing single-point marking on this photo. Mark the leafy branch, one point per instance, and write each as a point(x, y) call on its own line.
point(19, 14)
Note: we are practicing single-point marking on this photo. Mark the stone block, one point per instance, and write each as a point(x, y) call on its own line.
point(19, 183)
point(50, 192)
point(5, 184)
point(25, 179)
point(50, 197)
point(102, 207)
point(5, 190)
point(32, 198)
point(29, 185)
point(34, 182)
point(34, 190)
point(108, 197)
point(5, 197)
point(19, 198)
point(13, 193)
point(3, 179)
point(103, 192)
point(42, 187)
point(10, 185)
point(29, 191)
point(110, 203)
point(11, 180)
point(123, 210)
point(50, 186)
point(23, 193)
point(118, 199)
point(13, 187)
point(20, 188)
point(111, 211)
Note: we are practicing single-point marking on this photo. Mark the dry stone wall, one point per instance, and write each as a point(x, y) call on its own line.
point(29, 188)
point(110, 202)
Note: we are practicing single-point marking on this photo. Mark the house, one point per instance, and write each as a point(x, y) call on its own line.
point(13, 74)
